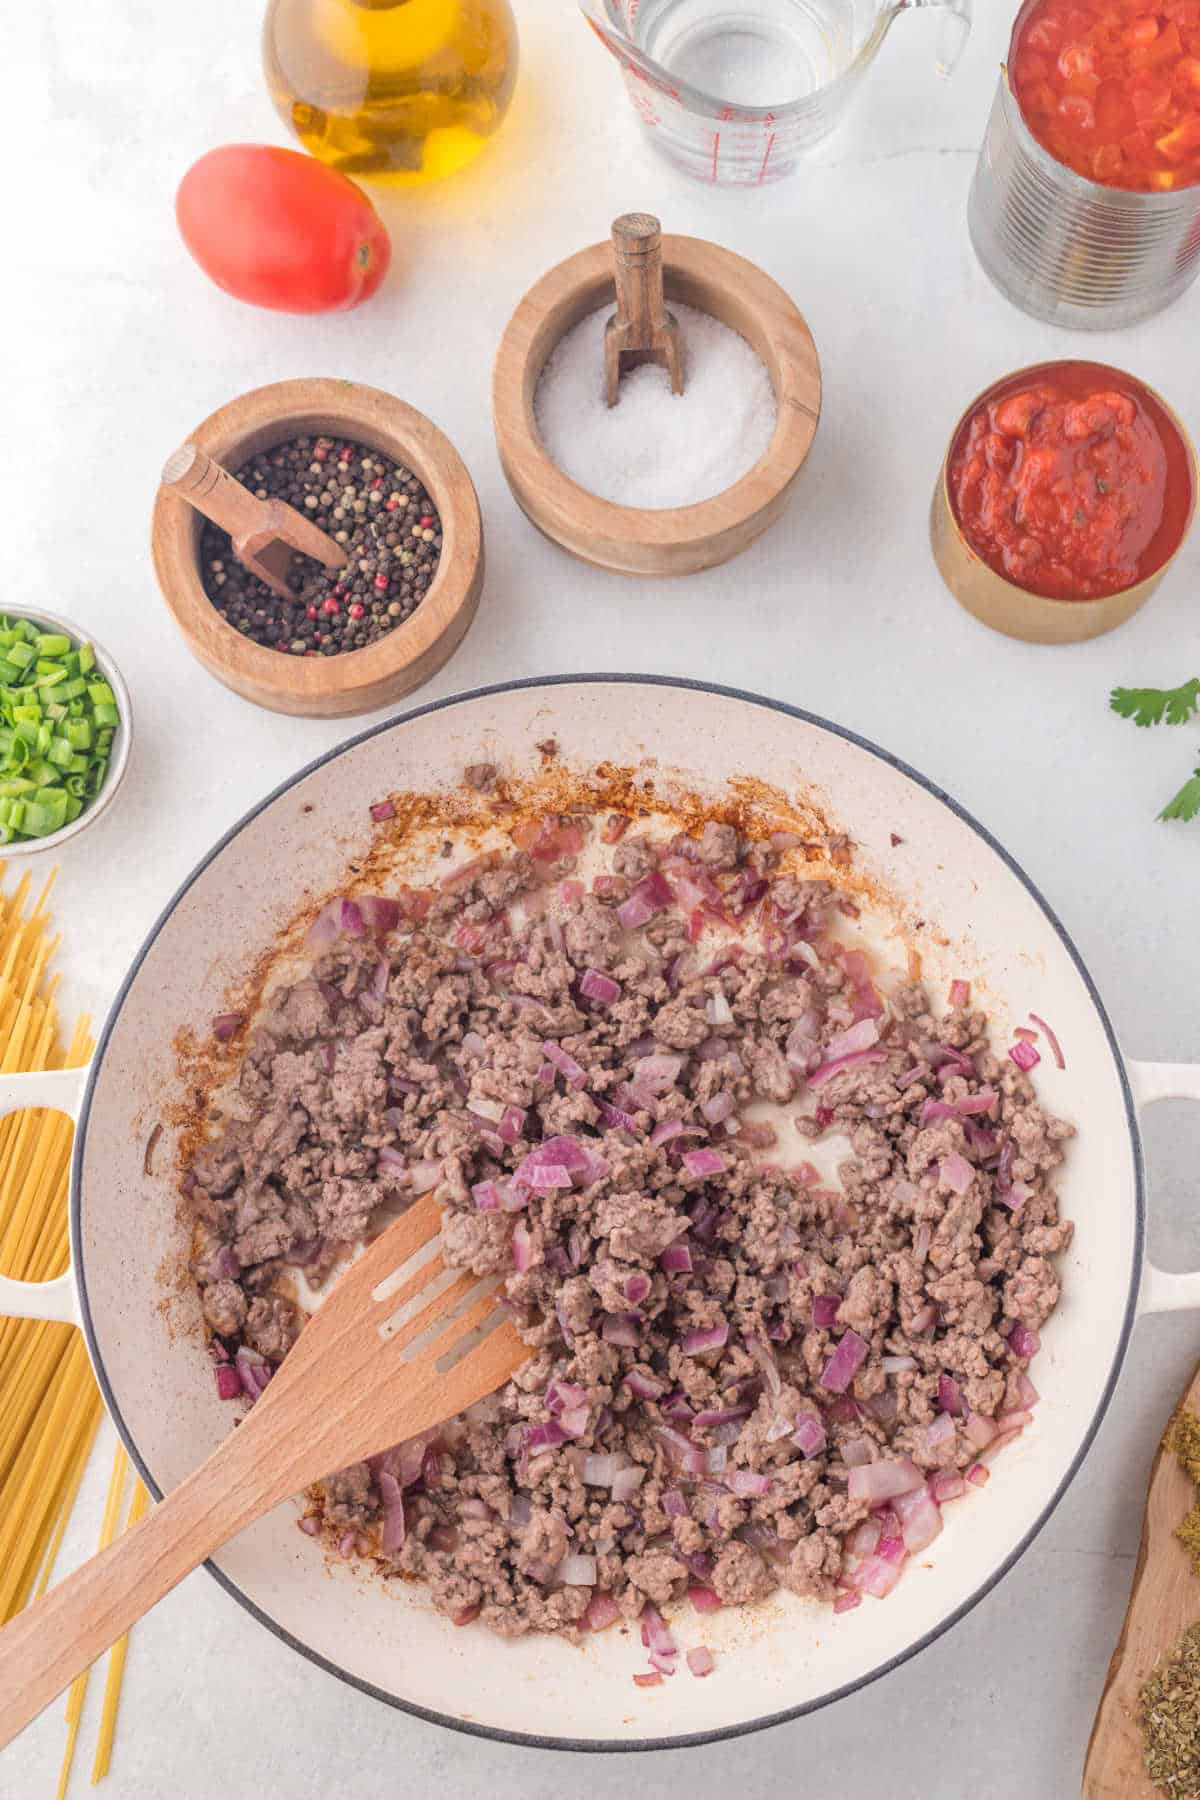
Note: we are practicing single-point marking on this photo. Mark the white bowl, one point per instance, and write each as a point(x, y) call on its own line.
point(121, 744)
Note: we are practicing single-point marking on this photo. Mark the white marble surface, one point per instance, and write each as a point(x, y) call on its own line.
point(114, 345)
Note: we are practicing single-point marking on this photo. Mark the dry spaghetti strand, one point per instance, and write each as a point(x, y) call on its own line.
point(49, 1404)
point(116, 1663)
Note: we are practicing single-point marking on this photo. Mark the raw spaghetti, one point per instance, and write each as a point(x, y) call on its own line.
point(49, 1405)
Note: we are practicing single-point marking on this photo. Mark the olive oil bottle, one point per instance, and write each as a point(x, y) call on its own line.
point(392, 90)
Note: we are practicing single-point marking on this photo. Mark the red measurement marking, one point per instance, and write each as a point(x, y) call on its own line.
point(716, 152)
point(762, 173)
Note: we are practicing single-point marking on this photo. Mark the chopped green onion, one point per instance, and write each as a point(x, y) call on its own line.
point(57, 720)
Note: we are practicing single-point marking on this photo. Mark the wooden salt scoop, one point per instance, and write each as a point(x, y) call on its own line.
point(1164, 1602)
point(641, 330)
point(401, 1343)
point(266, 534)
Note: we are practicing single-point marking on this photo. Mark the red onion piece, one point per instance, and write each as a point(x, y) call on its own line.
point(876, 1577)
point(960, 993)
point(940, 1431)
point(601, 988)
point(637, 1286)
point(227, 1025)
point(950, 1396)
point(229, 1382)
point(1023, 1342)
point(1051, 1039)
point(748, 1484)
point(646, 1387)
point(622, 1329)
point(891, 1549)
point(652, 1678)
point(676, 1259)
point(522, 1247)
point(393, 1512)
point(703, 1338)
point(704, 1599)
point(1024, 1055)
point(382, 809)
point(626, 1483)
point(576, 1571)
point(845, 1363)
point(701, 1661)
point(647, 900)
point(825, 1310)
point(565, 1064)
point(861, 1036)
point(809, 1435)
point(674, 1504)
point(657, 1074)
point(860, 1060)
point(847, 1600)
point(680, 1450)
point(703, 1163)
point(880, 1481)
point(978, 1476)
point(947, 1484)
point(956, 1172)
point(602, 1611)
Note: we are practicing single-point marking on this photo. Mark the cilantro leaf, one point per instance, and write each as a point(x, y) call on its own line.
point(1157, 706)
point(1186, 803)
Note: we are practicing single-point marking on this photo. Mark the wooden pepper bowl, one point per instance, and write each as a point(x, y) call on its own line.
point(328, 687)
point(674, 540)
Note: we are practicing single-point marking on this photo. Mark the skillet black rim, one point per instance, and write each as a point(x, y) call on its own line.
point(684, 1740)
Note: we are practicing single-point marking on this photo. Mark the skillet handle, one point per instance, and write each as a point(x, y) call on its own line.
point(1162, 1289)
point(61, 1090)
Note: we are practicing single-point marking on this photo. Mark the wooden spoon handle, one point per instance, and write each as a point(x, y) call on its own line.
point(213, 491)
point(46, 1646)
point(637, 264)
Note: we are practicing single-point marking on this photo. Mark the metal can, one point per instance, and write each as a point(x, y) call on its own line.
point(1067, 249)
point(994, 600)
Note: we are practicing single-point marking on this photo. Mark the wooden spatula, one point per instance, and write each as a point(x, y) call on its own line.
point(1164, 1601)
point(641, 330)
point(401, 1343)
point(266, 534)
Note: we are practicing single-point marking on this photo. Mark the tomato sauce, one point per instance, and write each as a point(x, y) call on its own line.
point(1112, 88)
point(1071, 480)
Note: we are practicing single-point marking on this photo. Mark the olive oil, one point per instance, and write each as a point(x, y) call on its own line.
point(401, 91)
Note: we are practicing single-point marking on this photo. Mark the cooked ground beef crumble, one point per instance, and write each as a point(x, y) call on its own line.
point(740, 1376)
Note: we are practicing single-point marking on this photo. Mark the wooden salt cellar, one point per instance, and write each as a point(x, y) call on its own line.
point(641, 330)
point(1163, 1603)
point(670, 540)
point(326, 687)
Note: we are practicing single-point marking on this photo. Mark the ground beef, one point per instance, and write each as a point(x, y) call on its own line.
point(681, 1312)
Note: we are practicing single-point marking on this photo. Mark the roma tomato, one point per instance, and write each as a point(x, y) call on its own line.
point(279, 229)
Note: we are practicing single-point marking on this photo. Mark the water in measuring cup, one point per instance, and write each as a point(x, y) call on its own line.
point(749, 52)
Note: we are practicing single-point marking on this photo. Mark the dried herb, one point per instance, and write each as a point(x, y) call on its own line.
point(1183, 1439)
point(1170, 1718)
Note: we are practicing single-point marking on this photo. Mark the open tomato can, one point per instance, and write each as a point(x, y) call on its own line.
point(1076, 251)
point(989, 575)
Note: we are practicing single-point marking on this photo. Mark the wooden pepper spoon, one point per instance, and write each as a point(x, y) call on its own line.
point(266, 534)
point(641, 330)
point(1164, 1601)
point(401, 1343)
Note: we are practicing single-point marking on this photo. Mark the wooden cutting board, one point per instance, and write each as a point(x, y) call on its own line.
point(1165, 1600)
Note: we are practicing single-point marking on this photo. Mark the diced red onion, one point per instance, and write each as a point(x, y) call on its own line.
point(856, 1452)
point(956, 1172)
point(565, 1064)
point(601, 988)
point(229, 1382)
point(825, 1310)
point(347, 1544)
point(601, 1612)
point(382, 809)
point(680, 1451)
point(845, 1363)
point(378, 913)
point(310, 1526)
point(561, 1396)
point(861, 1036)
point(483, 1108)
point(947, 1484)
point(393, 1512)
point(922, 1524)
point(1012, 1422)
point(950, 1396)
point(645, 1387)
point(880, 1481)
point(704, 1599)
point(486, 1196)
point(1024, 1055)
point(864, 1539)
point(861, 1059)
point(512, 1124)
point(650, 1678)
point(703, 1338)
point(423, 1176)
point(656, 1634)
point(725, 1415)
point(716, 1459)
point(748, 1484)
point(896, 1365)
point(626, 1483)
point(960, 993)
point(847, 1600)
point(1051, 1039)
point(809, 1435)
point(622, 1329)
point(718, 1010)
point(255, 1371)
point(226, 1025)
point(703, 1163)
point(1024, 1342)
point(601, 1471)
point(876, 1577)
point(701, 1661)
point(637, 1286)
point(939, 1431)
point(657, 1074)
point(891, 1549)
point(978, 1476)
point(576, 1571)
point(547, 1436)
point(979, 1431)
point(674, 1504)
point(676, 1259)
point(647, 900)
point(522, 1247)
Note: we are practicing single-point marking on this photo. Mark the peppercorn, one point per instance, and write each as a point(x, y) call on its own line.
point(350, 493)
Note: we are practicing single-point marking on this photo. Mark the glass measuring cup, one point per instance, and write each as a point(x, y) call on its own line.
point(735, 91)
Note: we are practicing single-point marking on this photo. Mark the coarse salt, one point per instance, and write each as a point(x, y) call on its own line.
point(655, 448)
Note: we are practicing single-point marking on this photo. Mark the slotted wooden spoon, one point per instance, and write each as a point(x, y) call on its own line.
point(401, 1343)
point(1164, 1601)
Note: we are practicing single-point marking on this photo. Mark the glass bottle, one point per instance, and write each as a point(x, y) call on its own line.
point(391, 90)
